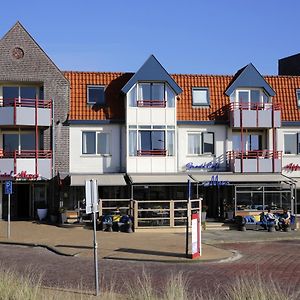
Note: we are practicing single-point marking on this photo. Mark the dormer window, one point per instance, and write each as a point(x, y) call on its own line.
point(151, 94)
point(200, 96)
point(95, 95)
point(298, 97)
point(250, 96)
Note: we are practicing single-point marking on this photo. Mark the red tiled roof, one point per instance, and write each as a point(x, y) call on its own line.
point(284, 86)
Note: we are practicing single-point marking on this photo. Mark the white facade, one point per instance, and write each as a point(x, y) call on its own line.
point(110, 162)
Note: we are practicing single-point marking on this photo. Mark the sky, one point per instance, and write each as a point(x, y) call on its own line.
point(188, 36)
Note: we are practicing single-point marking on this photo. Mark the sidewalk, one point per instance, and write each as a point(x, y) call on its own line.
point(143, 246)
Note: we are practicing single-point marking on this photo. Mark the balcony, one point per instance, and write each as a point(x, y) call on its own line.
point(26, 164)
point(260, 161)
point(151, 152)
point(254, 115)
point(26, 112)
point(151, 103)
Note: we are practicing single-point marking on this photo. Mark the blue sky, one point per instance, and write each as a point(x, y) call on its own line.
point(191, 36)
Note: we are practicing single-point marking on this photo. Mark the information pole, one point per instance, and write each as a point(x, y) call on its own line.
point(187, 219)
point(91, 200)
point(8, 192)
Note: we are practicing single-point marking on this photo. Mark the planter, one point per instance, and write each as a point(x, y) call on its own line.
point(42, 213)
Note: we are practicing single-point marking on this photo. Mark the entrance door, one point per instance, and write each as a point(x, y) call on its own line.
point(23, 201)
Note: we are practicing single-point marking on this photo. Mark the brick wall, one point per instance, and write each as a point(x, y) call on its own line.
point(36, 67)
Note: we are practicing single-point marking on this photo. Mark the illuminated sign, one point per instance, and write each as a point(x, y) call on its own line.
point(292, 167)
point(210, 165)
point(214, 181)
point(23, 175)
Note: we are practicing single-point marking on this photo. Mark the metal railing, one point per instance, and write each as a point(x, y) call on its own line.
point(24, 102)
point(251, 106)
point(26, 154)
point(255, 154)
point(161, 152)
point(151, 103)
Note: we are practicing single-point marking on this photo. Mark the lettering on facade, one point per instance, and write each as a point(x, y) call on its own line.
point(292, 167)
point(23, 175)
point(214, 181)
point(211, 165)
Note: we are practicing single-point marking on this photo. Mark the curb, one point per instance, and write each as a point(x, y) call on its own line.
point(52, 249)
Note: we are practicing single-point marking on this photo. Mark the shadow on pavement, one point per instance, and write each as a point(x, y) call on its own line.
point(150, 252)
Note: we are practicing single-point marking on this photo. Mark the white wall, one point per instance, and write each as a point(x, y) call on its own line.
point(288, 158)
point(220, 135)
point(82, 163)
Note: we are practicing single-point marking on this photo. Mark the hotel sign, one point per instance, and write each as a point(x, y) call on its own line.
point(23, 175)
point(292, 167)
point(211, 165)
point(214, 181)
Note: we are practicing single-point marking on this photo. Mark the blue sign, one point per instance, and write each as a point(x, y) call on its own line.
point(214, 181)
point(8, 187)
point(210, 165)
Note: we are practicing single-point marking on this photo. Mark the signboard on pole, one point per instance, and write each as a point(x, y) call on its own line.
point(91, 196)
point(8, 187)
point(196, 236)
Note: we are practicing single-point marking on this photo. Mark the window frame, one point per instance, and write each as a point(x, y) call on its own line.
point(298, 97)
point(201, 143)
point(297, 143)
point(167, 130)
point(94, 86)
point(262, 96)
point(97, 132)
point(194, 89)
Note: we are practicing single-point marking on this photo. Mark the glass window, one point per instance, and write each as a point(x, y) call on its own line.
point(255, 96)
point(298, 96)
point(200, 96)
point(145, 140)
point(243, 96)
point(158, 140)
point(158, 91)
point(102, 143)
point(208, 142)
point(95, 95)
point(170, 97)
point(144, 91)
point(27, 141)
point(132, 142)
point(88, 142)
point(10, 92)
point(236, 142)
point(132, 97)
point(290, 143)
point(265, 97)
point(171, 142)
point(28, 92)
point(194, 143)
point(10, 142)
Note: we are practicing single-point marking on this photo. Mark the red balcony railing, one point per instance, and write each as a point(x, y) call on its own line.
point(25, 154)
point(23, 102)
point(255, 154)
point(152, 152)
point(251, 106)
point(151, 103)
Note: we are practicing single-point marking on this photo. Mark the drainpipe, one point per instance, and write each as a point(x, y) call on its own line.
point(53, 141)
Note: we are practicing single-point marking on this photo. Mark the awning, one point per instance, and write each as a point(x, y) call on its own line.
point(245, 178)
point(159, 178)
point(102, 180)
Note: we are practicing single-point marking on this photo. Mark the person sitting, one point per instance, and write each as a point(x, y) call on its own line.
point(285, 220)
point(272, 218)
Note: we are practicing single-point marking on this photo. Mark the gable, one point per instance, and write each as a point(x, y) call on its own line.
point(152, 70)
point(21, 58)
point(249, 77)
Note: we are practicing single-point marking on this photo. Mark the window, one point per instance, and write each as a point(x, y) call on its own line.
point(19, 141)
point(251, 96)
point(251, 142)
point(151, 94)
point(201, 143)
point(95, 95)
point(298, 96)
point(151, 140)
point(292, 143)
point(24, 92)
point(200, 96)
point(95, 142)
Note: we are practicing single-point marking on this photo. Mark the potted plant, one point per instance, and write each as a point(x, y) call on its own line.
point(42, 211)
